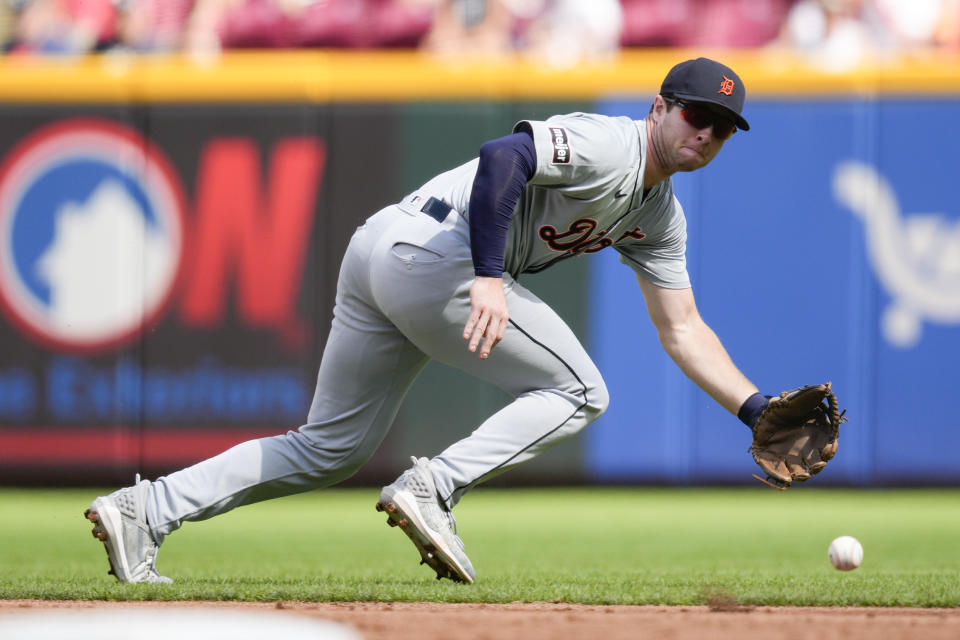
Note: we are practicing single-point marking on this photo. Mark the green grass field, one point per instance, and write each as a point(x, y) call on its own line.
point(623, 546)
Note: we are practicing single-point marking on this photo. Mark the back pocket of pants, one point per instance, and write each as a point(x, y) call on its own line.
point(414, 254)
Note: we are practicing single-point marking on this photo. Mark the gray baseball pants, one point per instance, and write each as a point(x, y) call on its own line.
point(403, 297)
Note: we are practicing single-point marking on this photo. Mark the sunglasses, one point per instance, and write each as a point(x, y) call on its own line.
point(701, 117)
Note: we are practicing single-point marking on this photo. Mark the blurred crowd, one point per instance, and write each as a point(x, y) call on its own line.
point(562, 32)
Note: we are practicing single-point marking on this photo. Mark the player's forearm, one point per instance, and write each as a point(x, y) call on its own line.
point(701, 356)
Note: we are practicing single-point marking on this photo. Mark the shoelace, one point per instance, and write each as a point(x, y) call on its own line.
point(453, 527)
point(452, 522)
point(156, 549)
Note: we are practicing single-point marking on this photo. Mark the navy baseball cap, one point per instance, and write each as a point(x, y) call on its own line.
point(706, 80)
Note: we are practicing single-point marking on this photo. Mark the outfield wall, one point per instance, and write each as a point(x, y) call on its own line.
point(172, 230)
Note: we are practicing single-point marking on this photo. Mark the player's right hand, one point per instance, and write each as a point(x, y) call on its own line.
point(488, 315)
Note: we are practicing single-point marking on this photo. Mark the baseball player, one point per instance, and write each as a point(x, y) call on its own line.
point(437, 276)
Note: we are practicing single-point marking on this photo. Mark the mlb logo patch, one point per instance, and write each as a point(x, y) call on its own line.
point(561, 145)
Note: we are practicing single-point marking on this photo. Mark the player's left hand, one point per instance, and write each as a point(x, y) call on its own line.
point(488, 315)
point(796, 435)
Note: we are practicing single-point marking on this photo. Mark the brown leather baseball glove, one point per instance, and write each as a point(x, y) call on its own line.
point(796, 435)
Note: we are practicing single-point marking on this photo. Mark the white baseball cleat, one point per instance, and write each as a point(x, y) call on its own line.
point(122, 527)
point(412, 503)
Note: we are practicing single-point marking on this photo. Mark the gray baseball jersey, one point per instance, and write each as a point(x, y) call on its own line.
point(587, 194)
point(403, 298)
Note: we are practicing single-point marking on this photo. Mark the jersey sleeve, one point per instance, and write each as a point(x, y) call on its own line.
point(580, 152)
point(661, 256)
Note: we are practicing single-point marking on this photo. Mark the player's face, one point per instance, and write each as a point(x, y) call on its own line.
point(684, 146)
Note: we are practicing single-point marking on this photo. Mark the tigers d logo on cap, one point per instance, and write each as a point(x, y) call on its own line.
point(726, 87)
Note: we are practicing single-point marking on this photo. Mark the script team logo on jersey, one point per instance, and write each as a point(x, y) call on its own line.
point(561, 145)
point(91, 233)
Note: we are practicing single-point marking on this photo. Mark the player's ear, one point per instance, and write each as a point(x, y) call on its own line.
point(659, 107)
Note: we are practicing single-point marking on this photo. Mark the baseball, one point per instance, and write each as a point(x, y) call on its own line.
point(845, 553)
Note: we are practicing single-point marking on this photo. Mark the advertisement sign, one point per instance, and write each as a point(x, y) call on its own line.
point(165, 282)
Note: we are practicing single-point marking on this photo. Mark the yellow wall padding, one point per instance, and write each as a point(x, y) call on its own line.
point(325, 75)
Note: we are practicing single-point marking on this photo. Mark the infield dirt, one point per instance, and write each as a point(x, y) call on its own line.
point(530, 621)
